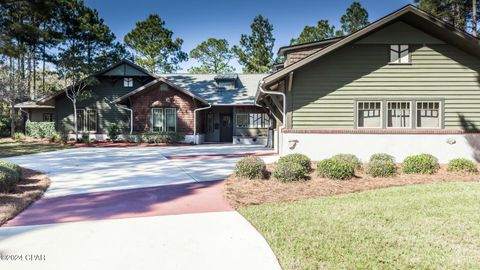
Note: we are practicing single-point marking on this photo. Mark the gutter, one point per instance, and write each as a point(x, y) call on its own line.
point(195, 121)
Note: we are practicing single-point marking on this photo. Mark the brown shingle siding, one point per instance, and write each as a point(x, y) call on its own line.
point(155, 98)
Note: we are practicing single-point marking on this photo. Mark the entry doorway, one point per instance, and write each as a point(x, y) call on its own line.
point(226, 127)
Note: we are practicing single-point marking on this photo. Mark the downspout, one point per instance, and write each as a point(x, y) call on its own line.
point(284, 109)
point(195, 121)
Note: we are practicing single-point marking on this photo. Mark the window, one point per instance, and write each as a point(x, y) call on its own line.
point(369, 114)
point(428, 114)
point(87, 120)
point(253, 120)
point(399, 114)
point(226, 85)
point(399, 54)
point(48, 117)
point(127, 82)
point(164, 119)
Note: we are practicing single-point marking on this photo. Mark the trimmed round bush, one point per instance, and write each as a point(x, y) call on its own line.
point(10, 166)
point(350, 158)
point(462, 165)
point(382, 156)
point(381, 168)
point(335, 169)
point(250, 167)
point(288, 172)
point(299, 159)
point(8, 180)
point(422, 164)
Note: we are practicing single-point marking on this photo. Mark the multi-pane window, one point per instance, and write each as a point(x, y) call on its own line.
point(399, 114)
point(226, 85)
point(48, 117)
point(127, 82)
point(369, 114)
point(428, 114)
point(164, 119)
point(253, 120)
point(399, 54)
point(87, 120)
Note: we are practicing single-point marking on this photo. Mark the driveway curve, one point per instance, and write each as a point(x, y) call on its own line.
point(136, 208)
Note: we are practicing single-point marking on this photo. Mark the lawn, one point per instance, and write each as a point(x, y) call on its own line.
point(431, 226)
point(10, 148)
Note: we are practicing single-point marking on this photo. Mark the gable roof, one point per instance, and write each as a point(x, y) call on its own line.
point(98, 73)
point(157, 81)
point(285, 49)
point(204, 85)
point(410, 14)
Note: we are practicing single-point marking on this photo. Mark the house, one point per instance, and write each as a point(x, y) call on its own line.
point(203, 107)
point(406, 84)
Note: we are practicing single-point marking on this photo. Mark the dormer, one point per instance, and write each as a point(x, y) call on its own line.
point(226, 81)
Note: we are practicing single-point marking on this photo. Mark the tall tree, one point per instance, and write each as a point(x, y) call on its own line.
point(255, 52)
point(154, 47)
point(13, 89)
point(213, 56)
point(455, 12)
point(474, 18)
point(355, 18)
point(323, 30)
point(86, 43)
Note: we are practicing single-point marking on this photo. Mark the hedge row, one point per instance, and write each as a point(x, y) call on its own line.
point(294, 167)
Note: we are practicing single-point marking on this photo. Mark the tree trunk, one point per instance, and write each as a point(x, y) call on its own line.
point(474, 18)
point(75, 124)
point(12, 119)
point(34, 72)
point(43, 69)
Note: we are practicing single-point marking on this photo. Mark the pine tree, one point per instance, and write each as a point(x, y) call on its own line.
point(255, 52)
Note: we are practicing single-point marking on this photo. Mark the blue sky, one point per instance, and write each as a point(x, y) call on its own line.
point(196, 21)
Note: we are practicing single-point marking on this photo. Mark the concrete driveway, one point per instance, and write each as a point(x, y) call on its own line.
point(135, 208)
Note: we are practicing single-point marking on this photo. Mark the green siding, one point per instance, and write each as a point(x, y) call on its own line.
point(108, 89)
point(324, 91)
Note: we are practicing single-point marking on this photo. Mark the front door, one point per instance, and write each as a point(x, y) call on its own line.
point(226, 128)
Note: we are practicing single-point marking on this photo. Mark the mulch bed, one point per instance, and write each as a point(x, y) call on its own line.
point(241, 192)
point(30, 188)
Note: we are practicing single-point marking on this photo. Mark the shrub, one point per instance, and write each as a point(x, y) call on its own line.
point(250, 167)
point(86, 138)
point(287, 172)
point(9, 175)
point(462, 165)
point(335, 169)
point(353, 160)
point(114, 129)
point(382, 156)
point(40, 130)
point(18, 136)
point(10, 166)
point(161, 137)
point(423, 163)
point(8, 180)
point(299, 159)
point(59, 137)
point(131, 138)
point(381, 168)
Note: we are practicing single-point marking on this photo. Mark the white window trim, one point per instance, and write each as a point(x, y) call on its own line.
point(84, 112)
point(381, 114)
point(398, 62)
point(128, 82)
point(163, 111)
point(262, 120)
point(87, 118)
point(440, 114)
point(411, 114)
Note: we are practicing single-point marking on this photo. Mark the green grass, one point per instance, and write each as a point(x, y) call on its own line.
point(9, 149)
point(434, 226)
